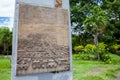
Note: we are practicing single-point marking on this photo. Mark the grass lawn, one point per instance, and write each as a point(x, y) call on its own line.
point(96, 70)
point(5, 68)
point(83, 70)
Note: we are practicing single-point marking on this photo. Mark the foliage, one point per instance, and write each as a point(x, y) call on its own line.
point(78, 48)
point(97, 19)
point(5, 41)
point(104, 54)
point(78, 15)
point(102, 48)
point(90, 52)
point(114, 48)
point(76, 56)
point(84, 56)
point(75, 41)
point(115, 59)
point(106, 58)
point(90, 48)
point(96, 23)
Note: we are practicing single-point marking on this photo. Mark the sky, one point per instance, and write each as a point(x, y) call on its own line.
point(7, 12)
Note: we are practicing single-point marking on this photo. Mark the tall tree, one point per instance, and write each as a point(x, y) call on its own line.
point(78, 15)
point(97, 18)
point(5, 39)
point(95, 23)
point(112, 7)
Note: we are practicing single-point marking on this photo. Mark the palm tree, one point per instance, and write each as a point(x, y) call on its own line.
point(95, 23)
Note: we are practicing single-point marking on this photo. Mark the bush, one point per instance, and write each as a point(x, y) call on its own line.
point(114, 48)
point(84, 56)
point(78, 48)
point(115, 58)
point(104, 54)
point(106, 58)
point(76, 56)
point(81, 55)
point(90, 52)
point(90, 49)
point(102, 48)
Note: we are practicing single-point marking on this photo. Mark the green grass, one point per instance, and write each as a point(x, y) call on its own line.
point(5, 68)
point(83, 69)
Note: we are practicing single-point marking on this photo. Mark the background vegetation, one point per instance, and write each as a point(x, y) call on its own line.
point(96, 39)
point(96, 29)
point(5, 41)
point(96, 70)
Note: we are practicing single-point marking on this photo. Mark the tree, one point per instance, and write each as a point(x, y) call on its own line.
point(5, 40)
point(112, 7)
point(95, 23)
point(98, 18)
point(79, 12)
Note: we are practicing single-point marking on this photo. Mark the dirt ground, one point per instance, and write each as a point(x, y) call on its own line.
point(97, 70)
point(118, 76)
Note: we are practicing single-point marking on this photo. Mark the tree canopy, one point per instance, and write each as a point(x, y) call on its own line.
point(95, 21)
point(102, 16)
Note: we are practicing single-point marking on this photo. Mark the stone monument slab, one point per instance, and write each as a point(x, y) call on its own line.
point(42, 41)
point(43, 44)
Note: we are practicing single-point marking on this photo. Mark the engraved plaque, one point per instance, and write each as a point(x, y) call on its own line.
point(43, 41)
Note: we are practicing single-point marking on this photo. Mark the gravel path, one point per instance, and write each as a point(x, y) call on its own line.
point(97, 70)
point(118, 76)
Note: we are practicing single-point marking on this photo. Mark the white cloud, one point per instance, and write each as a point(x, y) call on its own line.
point(7, 10)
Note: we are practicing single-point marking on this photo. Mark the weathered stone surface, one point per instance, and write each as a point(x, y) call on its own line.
point(43, 44)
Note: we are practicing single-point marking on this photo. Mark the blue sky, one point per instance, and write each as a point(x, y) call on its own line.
point(4, 21)
point(7, 12)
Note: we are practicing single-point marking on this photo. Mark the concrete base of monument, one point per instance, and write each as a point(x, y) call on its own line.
point(46, 76)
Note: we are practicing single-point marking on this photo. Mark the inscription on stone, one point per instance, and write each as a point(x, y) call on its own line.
point(43, 44)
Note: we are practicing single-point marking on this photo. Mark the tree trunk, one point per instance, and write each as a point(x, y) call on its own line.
point(4, 48)
point(96, 44)
point(7, 49)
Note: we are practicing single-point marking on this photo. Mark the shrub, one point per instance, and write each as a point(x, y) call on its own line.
point(115, 58)
point(78, 48)
point(90, 49)
point(104, 54)
point(114, 48)
point(81, 55)
point(84, 56)
point(76, 56)
point(102, 48)
point(106, 58)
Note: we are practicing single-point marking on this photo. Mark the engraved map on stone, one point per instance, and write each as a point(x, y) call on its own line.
point(43, 41)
